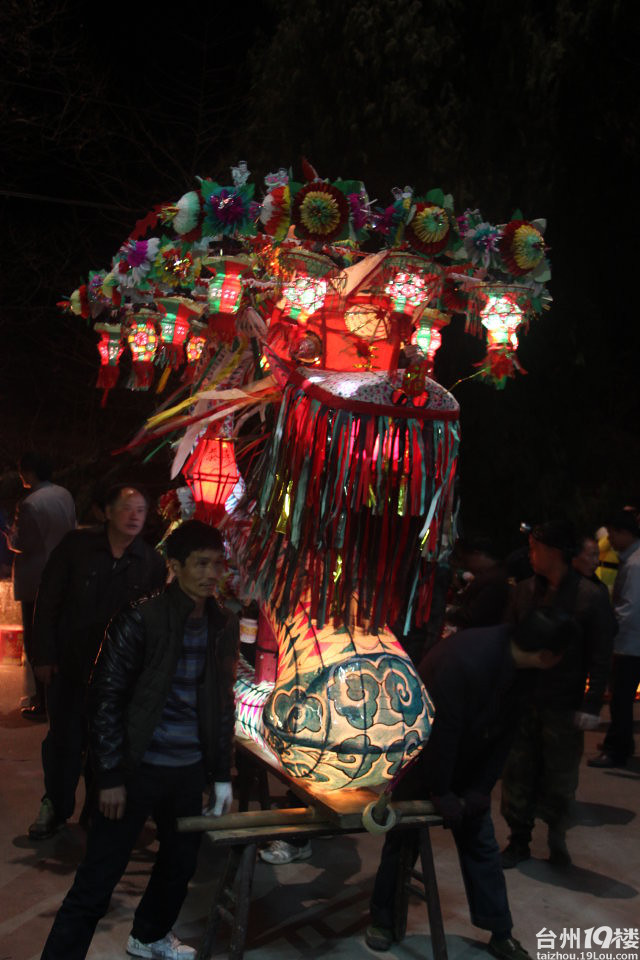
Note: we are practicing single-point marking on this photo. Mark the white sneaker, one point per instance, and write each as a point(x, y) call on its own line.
point(279, 851)
point(169, 947)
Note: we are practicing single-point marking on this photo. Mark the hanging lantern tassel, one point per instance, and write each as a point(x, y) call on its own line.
point(143, 343)
point(212, 473)
point(110, 349)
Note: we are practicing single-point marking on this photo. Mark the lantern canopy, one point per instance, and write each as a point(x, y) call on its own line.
point(212, 473)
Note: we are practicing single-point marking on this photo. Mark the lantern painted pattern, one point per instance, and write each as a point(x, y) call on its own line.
point(348, 708)
point(212, 474)
point(143, 343)
point(406, 291)
point(304, 296)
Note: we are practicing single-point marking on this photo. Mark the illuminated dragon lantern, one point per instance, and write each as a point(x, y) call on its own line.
point(330, 312)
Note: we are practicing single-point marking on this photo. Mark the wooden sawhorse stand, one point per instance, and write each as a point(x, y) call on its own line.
point(326, 815)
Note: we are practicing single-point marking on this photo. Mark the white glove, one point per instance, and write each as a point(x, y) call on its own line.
point(223, 798)
point(586, 721)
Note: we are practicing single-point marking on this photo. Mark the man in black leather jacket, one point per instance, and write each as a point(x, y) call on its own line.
point(161, 725)
point(91, 575)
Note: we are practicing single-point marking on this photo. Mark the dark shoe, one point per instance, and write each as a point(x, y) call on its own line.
point(378, 938)
point(604, 761)
point(559, 855)
point(46, 823)
point(509, 949)
point(512, 855)
point(35, 712)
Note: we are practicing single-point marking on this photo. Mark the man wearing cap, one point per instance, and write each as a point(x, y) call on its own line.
point(541, 774)
point(624, 534)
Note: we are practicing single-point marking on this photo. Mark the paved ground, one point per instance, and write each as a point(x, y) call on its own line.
point(319, 908)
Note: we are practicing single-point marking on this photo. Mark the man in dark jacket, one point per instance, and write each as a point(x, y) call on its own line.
point(90, 576)
point(541, 773)
point(161, 725)
point(476, 680)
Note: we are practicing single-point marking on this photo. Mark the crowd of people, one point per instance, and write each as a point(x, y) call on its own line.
point(135, 680)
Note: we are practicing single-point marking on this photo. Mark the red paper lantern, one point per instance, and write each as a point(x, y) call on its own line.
point(174, 330)
point(212, 473)
point(110, 349)
point(143, 343)
point(225, 290)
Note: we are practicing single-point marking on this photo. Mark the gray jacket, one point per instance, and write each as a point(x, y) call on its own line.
point(42, 519)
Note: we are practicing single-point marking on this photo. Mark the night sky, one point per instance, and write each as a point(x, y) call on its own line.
point(108, 110)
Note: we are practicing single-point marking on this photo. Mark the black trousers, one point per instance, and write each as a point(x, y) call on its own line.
point(625, 677)
point(482, 874)
point(27, 608)
point(65, 745)
point(165, 793)
point(478, 853)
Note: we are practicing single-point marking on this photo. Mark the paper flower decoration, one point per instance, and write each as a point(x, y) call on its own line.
point(188, 212)
point(227, 209)
point(135, 259)
point(275, 212)
point(522, 247)
point(320, 211)
point(482, 245)
point(429, 228)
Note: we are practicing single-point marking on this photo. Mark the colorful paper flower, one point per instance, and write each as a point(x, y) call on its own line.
point(429, 228)
point(522, 247)
point(227, 209)
point(134, 260)
point(320, 211)
point(275, 214)
point(482, 245)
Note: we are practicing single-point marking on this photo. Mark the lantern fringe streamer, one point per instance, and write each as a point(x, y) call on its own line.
point(349, 510)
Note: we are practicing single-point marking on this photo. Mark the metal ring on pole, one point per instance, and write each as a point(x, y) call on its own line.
point(372, 825)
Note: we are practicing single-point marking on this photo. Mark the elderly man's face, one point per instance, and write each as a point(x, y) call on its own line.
point(586, 561)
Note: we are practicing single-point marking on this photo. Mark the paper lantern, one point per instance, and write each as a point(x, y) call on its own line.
point(304, 295)
point(212, 473)
point(174, 330)
point(348, 708)
point(110, 348)
point(501, 316)
point(428, 336)
point(407, 291)
point(225, 289)
point(143, 343)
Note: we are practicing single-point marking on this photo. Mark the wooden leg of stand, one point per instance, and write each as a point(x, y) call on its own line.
point(431, 895)
point(243, 899)
point(205, 949)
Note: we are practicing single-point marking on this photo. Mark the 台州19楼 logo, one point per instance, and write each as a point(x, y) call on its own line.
point(592, 943)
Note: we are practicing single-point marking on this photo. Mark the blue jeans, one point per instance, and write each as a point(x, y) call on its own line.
point(166, 793)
